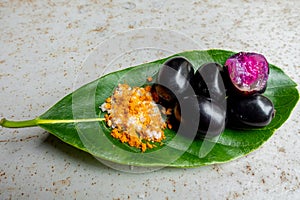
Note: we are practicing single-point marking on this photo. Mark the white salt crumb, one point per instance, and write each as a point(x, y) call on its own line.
point(103, 107)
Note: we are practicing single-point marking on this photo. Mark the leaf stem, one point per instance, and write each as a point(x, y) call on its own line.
point(37, 121)
point(18, 124)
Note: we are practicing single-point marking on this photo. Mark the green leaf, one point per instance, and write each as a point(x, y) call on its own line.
point(77, 120)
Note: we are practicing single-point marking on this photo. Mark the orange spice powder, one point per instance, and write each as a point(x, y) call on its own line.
point(134, 117)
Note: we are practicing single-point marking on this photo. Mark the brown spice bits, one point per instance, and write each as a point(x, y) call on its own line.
point(134, 116)
point(149, 79)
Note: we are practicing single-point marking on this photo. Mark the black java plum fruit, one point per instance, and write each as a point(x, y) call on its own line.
point(256, 110)
point(173, 79)
point(248, 73)
point(208, 117)
point(208, 81)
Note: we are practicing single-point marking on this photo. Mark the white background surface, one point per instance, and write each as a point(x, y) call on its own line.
point(44, 42)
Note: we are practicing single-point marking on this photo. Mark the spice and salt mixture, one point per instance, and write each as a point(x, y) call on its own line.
point(134, 116)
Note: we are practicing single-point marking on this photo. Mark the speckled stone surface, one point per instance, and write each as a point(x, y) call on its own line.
point(43, 44)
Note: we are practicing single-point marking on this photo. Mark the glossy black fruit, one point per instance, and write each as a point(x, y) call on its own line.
point(248, 72)
point(208, 81)
point(205, 114)
point(256, 110)
point(174, 78)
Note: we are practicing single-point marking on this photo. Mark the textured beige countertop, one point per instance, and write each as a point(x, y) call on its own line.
point(45, 43)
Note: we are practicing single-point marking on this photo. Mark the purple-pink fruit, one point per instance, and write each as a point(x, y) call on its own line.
point(248, 72)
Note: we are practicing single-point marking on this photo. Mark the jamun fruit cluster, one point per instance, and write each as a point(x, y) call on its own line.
point(216, 96)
